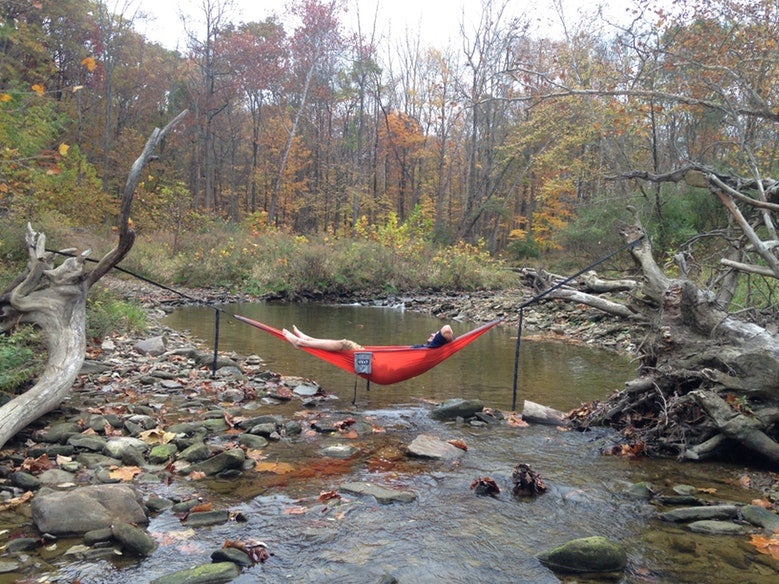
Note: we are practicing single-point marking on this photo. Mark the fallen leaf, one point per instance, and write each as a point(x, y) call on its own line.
point(764, 503)
point(201, 508)
point(274, 467)
point(16, 501)
point(196, 475)
point(744, 481)
point(766, 545)
point(156, 436)
point(516, 421)
point(327, 496)
point(124, 473)
point(459, 444)
point(295, 510)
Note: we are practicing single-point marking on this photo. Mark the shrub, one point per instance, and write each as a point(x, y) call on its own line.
point(108, 314)
point(22, 357)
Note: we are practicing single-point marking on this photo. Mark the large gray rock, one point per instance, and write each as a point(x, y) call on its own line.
point(154, 346)
point(228, 460)
point(456, 408)
point(700, 513)
point(586, 555)
point(203, 574)
point(382, 494)
point(86, 509)
point(426, 446)
point(764, 518)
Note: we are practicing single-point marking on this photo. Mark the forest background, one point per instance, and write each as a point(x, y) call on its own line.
point(312, 161)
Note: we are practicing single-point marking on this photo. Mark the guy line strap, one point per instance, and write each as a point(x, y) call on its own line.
point(538, 297)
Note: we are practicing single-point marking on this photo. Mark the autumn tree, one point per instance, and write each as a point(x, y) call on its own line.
point(703, 353)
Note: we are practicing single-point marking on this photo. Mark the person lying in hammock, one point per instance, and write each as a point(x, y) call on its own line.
point(300, 339)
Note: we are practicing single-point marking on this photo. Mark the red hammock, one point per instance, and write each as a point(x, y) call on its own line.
point(385, 365)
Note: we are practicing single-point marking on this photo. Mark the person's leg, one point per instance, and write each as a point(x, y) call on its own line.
point(306, 341)
point(300, 333)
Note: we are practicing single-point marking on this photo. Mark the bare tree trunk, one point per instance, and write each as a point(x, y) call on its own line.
point(54, 299)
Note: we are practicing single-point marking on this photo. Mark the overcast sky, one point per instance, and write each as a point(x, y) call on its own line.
point(437, 21)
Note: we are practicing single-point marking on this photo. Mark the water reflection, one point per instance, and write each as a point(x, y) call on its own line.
point(555, 374)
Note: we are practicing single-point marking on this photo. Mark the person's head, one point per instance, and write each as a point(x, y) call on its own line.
point(442, 336)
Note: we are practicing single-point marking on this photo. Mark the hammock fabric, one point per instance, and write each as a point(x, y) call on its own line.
point(385, 364)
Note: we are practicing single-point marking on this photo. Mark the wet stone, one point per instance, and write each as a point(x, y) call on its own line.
point(717, 527)
point(252, 441)
point(700, 513)
point(93, 443)
point(206, 518)
point(381, 494)
point(214, 572)
point(22, 544)
point(339, 451)
point(452, 409)
point(25, 480)
point(586, 555)
point(134, 541)
point(233, 555)
point(56, 476)
point(761, 517)
point(231, 459)
point(94, 460)
point(426, 446)
point(57, 433)
point(162, 453)
point(265, 430)
point(97, 536)
point(195, 453)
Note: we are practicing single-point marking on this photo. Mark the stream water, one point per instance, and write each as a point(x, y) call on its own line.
point(448, 534)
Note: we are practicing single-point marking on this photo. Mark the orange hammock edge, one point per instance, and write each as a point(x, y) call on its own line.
point(388, 364)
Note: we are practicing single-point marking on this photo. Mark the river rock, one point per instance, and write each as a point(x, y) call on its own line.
point(586, 555)
point(253, 442)
point(233, 555)
point(86, 509)
point(426, 446)
point(230, 459)
point(713, 527)
point(381, 494)
point(700, 513)
point(196, 452)
point(761, 517)
point(116, 447)
point(153, 346)
point(339, 451)
point(87, 442)
point(56, 476)
point(452, 409)
point(203, 574)
point(134, 541)
point(25, 480)
point(206, 518)
point(57, 433)
point(162, 453)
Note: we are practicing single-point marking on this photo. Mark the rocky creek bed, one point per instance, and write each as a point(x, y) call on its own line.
point(147, 413)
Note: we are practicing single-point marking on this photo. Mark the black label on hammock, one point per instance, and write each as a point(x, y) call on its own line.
point(362, 362)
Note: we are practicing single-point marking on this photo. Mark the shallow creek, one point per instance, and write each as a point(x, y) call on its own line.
point(447, 534)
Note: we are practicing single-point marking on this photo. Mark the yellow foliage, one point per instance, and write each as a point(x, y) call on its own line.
point(89, 63)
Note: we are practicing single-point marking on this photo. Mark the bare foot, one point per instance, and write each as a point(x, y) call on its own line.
point(298, 333)
point(295, 341)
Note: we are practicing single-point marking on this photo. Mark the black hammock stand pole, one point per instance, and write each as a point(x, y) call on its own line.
point(545, 293)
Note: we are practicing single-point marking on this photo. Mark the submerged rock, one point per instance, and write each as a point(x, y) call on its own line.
point(452, 409)
point(86, 509)
point(382, 494)
point(204, 574)
point(426, 446)
point(586, 555)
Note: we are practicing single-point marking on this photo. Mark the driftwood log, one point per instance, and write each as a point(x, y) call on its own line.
point(708, 382)
point(53, 298)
